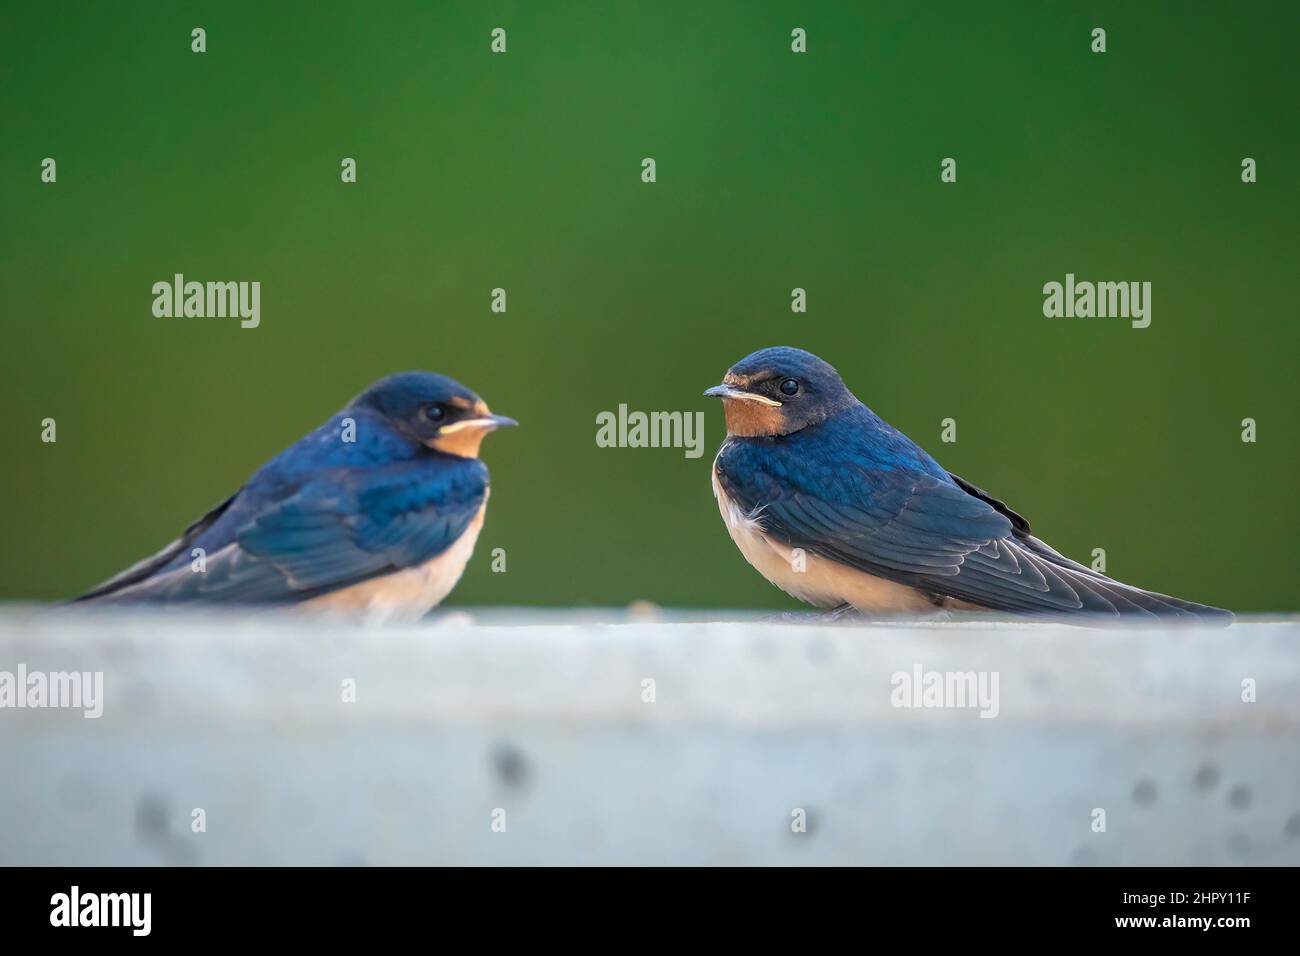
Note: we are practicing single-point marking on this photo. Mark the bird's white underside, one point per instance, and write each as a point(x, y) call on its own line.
point(411, 593)
point(823, 583)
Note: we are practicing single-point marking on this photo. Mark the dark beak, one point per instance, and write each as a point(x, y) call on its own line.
point(723, 391)
point(485, 422)
point(730, 391)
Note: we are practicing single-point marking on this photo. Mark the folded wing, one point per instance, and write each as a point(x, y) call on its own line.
point(947, 538)
point(335, 530)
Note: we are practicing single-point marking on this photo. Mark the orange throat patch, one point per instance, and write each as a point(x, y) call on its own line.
point(747, 419)
point(464, 443)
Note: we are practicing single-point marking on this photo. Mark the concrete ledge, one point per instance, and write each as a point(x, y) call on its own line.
point(751, 722)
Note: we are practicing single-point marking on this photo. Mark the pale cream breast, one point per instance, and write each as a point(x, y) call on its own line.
point(822, 582)
point(411, 593)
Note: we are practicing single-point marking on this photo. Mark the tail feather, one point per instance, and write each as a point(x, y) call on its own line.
point(1097, 591)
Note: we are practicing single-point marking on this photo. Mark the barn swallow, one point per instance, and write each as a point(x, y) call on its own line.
point(377, 510)
point(839, 509)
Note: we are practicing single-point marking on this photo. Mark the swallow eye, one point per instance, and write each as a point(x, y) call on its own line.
point(789, 387)
point(435, 413)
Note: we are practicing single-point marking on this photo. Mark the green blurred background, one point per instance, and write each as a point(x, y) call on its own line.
point(775, 170)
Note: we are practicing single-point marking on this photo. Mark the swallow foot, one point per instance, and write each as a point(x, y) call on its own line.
point(842, 614)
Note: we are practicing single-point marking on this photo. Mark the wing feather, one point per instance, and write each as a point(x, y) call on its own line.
point(930, 530)
point(335, 530)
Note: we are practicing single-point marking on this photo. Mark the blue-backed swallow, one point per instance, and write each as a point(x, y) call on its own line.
point(378, 510)
point(837, 508)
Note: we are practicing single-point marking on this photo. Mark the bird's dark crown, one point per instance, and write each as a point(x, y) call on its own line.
point(433, 410)
point(780, 390)
point(404, 393)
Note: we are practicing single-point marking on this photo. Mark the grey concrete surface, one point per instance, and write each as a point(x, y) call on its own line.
point(544, 716)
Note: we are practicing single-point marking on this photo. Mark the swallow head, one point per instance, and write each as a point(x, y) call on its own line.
point(779, 391)
point(433, 410)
